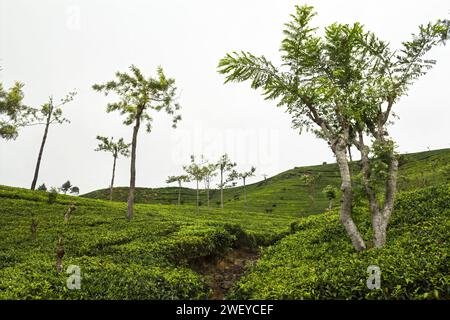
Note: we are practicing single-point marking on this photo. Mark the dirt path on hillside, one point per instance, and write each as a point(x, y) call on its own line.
point(221, 273)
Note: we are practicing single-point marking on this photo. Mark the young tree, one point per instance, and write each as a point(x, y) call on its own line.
point(208, 173)
point(330, 193)
point(225, 166)
point(42, 187)
point(395, 72)
point(116, 149)
point(195, 172)
point(309, 181)
point(13, 113)
point(180, 179)
point(138, 97)
point(47, 115)
point(244, 176)
point(341, 86)
point(66, 186)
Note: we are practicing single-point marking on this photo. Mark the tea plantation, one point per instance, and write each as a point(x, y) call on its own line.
point(153, 256)
point(286, 193)
point(147, 258)
point(318, 261)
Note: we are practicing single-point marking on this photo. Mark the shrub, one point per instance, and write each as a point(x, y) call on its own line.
point(52, 196)
point(317, 261)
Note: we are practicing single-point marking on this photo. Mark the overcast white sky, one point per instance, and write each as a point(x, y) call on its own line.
point(54, 46)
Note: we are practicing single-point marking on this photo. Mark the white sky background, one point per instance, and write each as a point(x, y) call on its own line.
point(54, 46)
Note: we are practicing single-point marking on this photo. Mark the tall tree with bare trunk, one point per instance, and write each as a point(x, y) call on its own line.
point(244, 176)
point(137, 98)
point(209, 172)
point(342, 86)
point(196, 173)
point(225, 166)
point(119, 148)
point(49, 113)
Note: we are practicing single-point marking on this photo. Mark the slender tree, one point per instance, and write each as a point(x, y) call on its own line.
point(342, 86)
point(180, 179)
point(209, 171)
point(119, 148)
point(309, 181)
point(244, 175)
point(49, 113)
point(138, 97)
point(225, 166)
point(330, 193)
point(196, 173)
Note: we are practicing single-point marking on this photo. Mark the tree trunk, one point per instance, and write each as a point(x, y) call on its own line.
point(34, 225)
point(207, 194)
point(388, 206)
point(330, 204)
point(221, 189)
point(346, 207)
point(245, 196)
point(179, 192)
point(350, 153)
point(380, 217)
point(133, 164)
point(197, 198)
point(41, 150)
point(111, 188)
point(59, 255)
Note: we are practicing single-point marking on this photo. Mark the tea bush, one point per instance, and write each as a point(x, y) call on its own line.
point(147, 258)
point(318, 262)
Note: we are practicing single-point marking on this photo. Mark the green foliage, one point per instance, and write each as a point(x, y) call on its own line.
point(224, 165)
point(139, 95)
point(52, 196)
point(148, 258)
point(74, 190)
point(116, 148)
point(317, 262)
point(13, 113)
point(195, 169)
point(66, 186)
point(330, 192)
point(51, 113)
point(291, 194)
point(179, 179)
point(42, 187)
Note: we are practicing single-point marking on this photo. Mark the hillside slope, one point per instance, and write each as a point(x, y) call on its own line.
point(147, 258)
point(286, 193)
point(318, 261)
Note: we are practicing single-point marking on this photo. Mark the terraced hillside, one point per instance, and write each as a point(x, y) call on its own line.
point(286, 192)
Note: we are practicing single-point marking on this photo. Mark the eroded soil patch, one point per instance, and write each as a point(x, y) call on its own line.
point(222, 272)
